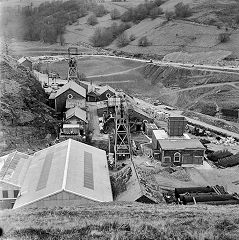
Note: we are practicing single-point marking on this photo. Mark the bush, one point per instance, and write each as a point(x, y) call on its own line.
point(237, 19)
point(224, 37)
point(101, 37)
point(122, 40)
point(155, 12)
point(229, 161)
point(182, 10)
point(100, 10)
point(169, 15)
point(143, 42)
point(115, 14)
point(219, 155)
point(158, 2)
point(132, 37)
point(92, 20)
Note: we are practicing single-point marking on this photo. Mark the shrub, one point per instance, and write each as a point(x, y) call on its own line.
point(143, 42)
point(115, 14)
point(100, 10)
point(92, 20)
point(158, 2)
point(101, 37)
point(169, 15)
point(237, 19)
point(122, 40)
point(132, 37)
point(224, 37)
point(218, 155)
point(229, 161)
point(155, 12)
point(182, 10)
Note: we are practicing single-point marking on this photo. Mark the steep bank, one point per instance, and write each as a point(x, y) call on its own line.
point(124, 221)
point(25, 117)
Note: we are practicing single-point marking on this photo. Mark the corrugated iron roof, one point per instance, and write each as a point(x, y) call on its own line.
point(179, 144)
point(162, 134)
point(14, 167)
point(62, 167)
point(105, 88)
point(77, 112)
point(23, 59)
point(74, 86)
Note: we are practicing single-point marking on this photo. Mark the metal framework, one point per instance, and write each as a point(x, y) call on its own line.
point(122, 133)
point(72, 70)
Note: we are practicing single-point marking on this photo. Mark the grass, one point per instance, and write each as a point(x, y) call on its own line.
point(123, 221)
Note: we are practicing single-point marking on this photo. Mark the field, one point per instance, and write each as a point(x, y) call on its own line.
point(124, 221)
point(92, 66)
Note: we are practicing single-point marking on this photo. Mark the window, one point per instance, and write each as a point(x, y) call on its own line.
point(15, 193)
point(167, 159)
point(5, 194)
point(177, 156)
point(198, 159)
point(70, 96)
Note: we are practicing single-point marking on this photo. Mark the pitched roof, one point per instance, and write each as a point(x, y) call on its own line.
point(74, 86)
point(77, 112)
point(72, 166)
point(52, 95)
point(14, 167)
point(179, 144)
point(105, 88)
point(135, 187)
point(162, 134)
point(23, 59)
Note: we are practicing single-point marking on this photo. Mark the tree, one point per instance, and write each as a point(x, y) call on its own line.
point(182, 10)
point(122, 40)
point(169, 15)
point(62, 39)
point(143, 42)
point(115, 14)
point(92, 20)
point(101, 37)
point(158, 2)
point(237, 19)
point(100, 10)
point(155, 12)
point(224, 37)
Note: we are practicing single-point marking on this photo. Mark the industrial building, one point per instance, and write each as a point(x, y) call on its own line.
point(175, 146)
point(13, 168)
point(66, 174)
point(26, 62)
point(68, 96)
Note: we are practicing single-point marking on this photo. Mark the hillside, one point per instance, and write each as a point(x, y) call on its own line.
point(25, 117)
point(124, 221)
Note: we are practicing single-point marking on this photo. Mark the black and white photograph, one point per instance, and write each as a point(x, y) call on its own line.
point(119, 119)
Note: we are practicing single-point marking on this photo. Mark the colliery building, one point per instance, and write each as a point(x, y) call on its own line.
point(12, 173)
point(176, 147)
point(66, 174)
point(68, 96)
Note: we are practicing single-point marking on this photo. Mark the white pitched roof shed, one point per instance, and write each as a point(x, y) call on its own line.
point(74, 86)
point(23, 59)
point(13, 168)
point(70, 167)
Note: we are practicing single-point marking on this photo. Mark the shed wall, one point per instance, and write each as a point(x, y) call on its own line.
point(60, 101)
point(62, 199)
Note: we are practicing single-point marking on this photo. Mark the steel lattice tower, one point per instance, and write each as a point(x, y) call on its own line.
point(122, 133)
point(72, 70)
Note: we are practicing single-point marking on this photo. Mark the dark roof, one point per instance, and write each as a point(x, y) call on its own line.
point(179, 144)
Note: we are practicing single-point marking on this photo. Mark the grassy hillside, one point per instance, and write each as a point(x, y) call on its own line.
point(25, 119)
point(124, 221)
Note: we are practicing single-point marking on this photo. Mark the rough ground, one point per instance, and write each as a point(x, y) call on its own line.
point(124, 221)
point(25, 117)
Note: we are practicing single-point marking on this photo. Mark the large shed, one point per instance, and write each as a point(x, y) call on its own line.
point(13, 168)
point(68, 173)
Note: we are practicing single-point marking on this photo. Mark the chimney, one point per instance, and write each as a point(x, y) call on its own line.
point(176, 126)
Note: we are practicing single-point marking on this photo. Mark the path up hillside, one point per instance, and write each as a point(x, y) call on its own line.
point(25, 117)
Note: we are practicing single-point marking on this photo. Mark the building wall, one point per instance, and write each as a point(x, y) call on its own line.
point(103, 96)
point(186, 156)
point(62, 199)
point(60, 101)
point(27, 64)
